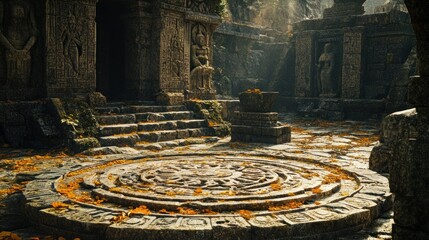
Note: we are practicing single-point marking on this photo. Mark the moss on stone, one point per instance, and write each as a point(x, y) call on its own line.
point(211, 111)
point(79, 118)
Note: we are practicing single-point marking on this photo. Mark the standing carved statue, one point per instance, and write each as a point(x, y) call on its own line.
point(72, 44)
point(17, 36)
point(199, 6)
point(326, 72)
point(201, 72)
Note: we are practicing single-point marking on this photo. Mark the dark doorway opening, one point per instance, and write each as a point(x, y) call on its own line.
point(110, 49)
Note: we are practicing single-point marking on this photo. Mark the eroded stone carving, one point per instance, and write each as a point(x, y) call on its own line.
point(198, 6)
point(71, 41)
point(201, 71)
point(326, 72)
point(17, 37)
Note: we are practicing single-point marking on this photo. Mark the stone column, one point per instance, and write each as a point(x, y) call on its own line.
point(352, 62)
point(305, 64)
point(171, 52)
point(70, 47)
point(138, 83)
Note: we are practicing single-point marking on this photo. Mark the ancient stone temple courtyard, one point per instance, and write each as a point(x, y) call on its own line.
point(316, 187)
point(214, 119)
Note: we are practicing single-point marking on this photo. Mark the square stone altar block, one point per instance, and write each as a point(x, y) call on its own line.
point(260, 128)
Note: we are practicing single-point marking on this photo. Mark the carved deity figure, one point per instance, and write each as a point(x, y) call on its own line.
point(72, 44)
point(201, 72)
point(17, 37)
point(326, 72)
point(199, 6)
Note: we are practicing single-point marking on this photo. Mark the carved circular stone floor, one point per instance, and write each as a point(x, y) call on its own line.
point(207, 196)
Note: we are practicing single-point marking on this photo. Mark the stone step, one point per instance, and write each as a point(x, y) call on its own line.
point(168, 135)
point(108, 130)
point(171, 125)
point(107, 110)
point(176, 143)
point(164, 116)
point(120, 140)
point(129, 103)
point(146, 109)
point(116, 119)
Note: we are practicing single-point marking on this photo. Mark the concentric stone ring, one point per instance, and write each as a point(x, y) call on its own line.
point(208, 194)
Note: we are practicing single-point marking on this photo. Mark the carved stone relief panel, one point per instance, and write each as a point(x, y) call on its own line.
point(71, 45)
point(352, 63)
point(201, 69)
point(304, 86)
point(18, 49)
point(174, 53)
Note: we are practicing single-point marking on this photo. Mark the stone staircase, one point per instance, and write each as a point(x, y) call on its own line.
point(125, 124)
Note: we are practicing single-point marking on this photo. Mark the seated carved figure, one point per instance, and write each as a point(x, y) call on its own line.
point(201, 72)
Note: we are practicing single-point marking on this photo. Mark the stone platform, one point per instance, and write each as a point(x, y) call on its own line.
point(209, 195)
point(259, 127)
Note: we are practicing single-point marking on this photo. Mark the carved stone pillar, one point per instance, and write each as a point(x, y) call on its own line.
point(171, 52)
point(352, 62)
point(305, 63)
point(137, 22)
point(70, 47)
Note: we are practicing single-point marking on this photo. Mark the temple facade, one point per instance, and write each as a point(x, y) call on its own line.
point(127, 50)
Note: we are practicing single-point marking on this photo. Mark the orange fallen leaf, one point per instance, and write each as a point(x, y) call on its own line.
point(246, 214)
point(142, 210)
point(60, 205)
point(198, 191)
point(316, 190)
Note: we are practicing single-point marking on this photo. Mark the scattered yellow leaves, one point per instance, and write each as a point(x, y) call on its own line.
point(15, 188)
point(288, 206)
point(186, 211)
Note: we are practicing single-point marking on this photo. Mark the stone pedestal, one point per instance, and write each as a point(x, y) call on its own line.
point(259, 127)
point(256, 122)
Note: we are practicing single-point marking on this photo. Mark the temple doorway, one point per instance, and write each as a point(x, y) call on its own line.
point(110, 50)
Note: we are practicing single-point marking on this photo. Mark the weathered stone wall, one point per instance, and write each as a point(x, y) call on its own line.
point(250, 57)
point(28, 124)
